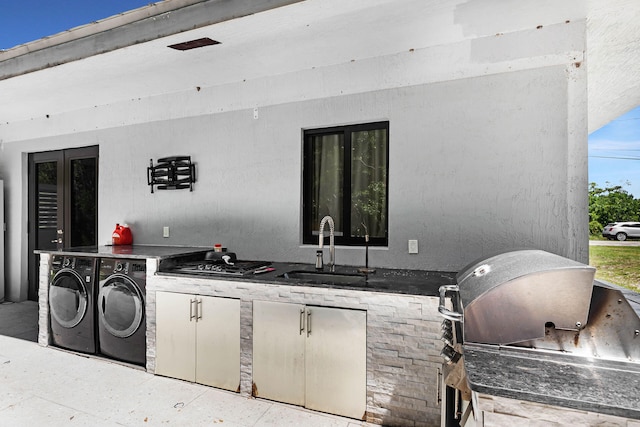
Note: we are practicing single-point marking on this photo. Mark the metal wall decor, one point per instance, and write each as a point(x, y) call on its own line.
point(172, 173)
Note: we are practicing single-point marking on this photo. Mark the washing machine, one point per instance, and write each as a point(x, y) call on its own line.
point(121, 310)
point(72, 287)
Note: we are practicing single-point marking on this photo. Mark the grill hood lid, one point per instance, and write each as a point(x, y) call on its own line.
point(510, 297)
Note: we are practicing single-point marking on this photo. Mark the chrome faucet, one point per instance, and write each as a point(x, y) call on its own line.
point(366, 270)
point(332, 246)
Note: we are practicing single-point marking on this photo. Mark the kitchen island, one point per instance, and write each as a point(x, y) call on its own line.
point(373, 352)
point(394, 310)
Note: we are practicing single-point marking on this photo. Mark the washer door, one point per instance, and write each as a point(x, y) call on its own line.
point(121, 306)
point(68, 298)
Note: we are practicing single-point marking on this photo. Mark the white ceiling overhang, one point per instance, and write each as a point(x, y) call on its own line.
point(613, 59)
point(126, 57)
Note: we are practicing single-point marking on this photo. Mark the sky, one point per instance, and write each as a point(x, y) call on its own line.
point(22, 21)
point(614, 153)
point(614, 150)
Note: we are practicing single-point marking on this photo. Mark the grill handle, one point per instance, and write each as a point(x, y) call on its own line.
point(445, 312)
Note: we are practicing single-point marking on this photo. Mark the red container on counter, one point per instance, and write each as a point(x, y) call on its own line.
point(122, 235)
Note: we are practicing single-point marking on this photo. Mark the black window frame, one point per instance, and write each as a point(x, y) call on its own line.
point(308, 235)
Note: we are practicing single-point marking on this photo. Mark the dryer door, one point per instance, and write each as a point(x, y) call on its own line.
point(121, 306)
point(68, 298)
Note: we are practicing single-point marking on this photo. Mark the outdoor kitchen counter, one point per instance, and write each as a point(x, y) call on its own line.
point(596, 385)
point(127, 251)
point(398, 320)
point(401, 281)
point(409, 282)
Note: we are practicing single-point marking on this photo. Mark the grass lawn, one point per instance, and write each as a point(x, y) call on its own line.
point(617, 264)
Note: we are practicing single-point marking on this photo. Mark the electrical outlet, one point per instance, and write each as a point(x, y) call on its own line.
point(413, 246)
point(165, 232)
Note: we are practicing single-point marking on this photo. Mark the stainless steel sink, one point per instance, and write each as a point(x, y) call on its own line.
point(326, 278)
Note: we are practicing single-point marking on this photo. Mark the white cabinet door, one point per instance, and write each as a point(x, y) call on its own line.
point(175, 336)
point(218, 342)
point(311, 356)
point(336, 361)
point(198, 339)
point(278, 351)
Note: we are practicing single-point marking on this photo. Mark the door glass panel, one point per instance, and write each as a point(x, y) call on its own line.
point(83, 202)
point(47, 204)
point(62, 203)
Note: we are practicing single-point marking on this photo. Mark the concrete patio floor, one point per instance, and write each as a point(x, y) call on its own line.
point(19, 320)
point(45, 386)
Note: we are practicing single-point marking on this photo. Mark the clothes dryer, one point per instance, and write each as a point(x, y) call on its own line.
point(121, 310)
point(72, 287)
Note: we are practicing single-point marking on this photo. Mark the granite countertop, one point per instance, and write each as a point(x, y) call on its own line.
point(399, 281)
point(587, 384)
point(128, 251)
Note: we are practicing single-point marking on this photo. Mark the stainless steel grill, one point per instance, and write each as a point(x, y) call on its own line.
point(537, 305)
point(538, 300)
point(510, 297)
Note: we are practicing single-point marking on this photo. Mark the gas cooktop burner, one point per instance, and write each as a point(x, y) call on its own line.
point(239, 268)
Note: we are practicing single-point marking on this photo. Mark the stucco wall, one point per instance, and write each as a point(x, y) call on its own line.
point(475, 165)
point(487, 152)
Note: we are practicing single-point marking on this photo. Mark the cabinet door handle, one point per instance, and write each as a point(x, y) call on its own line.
point(308, 322)
point(191, 315)
point(301, 321)
point(198, 309)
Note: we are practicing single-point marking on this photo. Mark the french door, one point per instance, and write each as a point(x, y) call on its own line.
point(63, 203)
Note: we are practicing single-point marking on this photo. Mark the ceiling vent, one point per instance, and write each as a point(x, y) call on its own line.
point(193, 44)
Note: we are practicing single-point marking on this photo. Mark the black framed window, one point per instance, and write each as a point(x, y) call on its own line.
point(345, 176)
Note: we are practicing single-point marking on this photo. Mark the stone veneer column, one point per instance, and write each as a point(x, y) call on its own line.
point(43, 300)
point(150, 316)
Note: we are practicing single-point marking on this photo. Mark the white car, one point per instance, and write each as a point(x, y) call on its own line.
point(621, 230)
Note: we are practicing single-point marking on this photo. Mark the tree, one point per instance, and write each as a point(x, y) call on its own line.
point(611, 204)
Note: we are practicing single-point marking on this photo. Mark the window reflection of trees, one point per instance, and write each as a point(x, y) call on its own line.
point(368, 183)
point(348, 170)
